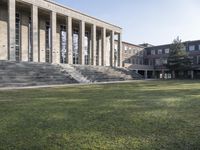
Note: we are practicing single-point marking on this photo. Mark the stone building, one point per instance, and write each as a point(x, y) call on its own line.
point(155, 60)
point(157, 56)
point(44, 31)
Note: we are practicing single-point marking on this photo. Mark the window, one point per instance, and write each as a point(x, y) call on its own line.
point(87, 48)
point(128, 61)
point(193, 59)
point(198, 60)
point(130, 50)
point(63, 44)
point(137, 61)
point(116, 46)
point(153, 52)
point(157, 61)
point(164, 61)
point(30, 38)
point(48, 41)
point(133, 51)
point(151, 62)
point(17, 36)
point(133, 61)
point(160, 52)
point(138, 53)
point(191, 47)
point(199, 47)
point(75, 46)
point(125, 49)
point(141, 53)
point(167, 51)
point(141, 61)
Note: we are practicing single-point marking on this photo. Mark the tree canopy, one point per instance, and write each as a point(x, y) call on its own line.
point(178, 59)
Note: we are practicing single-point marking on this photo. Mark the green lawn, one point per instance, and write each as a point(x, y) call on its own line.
point(142, 115)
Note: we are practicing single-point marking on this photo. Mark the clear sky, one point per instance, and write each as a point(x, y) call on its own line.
point(152, 21)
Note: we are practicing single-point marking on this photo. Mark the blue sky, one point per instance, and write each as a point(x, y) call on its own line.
point(152, 21)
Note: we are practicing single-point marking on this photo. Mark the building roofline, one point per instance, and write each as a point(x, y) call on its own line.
point(66, 7)
point(171, 43)
point(132, 44)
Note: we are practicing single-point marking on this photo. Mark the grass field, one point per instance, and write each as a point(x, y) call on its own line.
point(142, 115)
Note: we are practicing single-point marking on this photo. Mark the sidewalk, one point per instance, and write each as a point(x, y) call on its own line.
point(69, 85)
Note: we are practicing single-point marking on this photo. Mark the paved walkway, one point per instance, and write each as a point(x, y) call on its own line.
point(69, 85)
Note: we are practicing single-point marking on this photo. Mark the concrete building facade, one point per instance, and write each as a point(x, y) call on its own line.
point(44, 31)
point(133, 59)
point(155, 60)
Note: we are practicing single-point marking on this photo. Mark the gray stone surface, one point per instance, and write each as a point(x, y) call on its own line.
point(74, 73)
point(105, 74)
point(29, 74)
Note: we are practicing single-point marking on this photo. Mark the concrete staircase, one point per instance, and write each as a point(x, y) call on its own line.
point(74, 73)
point(105, 74)
point(132, 73)
point(14, 74)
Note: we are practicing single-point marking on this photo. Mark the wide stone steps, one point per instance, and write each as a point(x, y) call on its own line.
point(103, 74)
point(30, 74)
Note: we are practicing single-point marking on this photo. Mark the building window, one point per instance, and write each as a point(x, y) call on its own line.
point(199, 47)
point(116, 52)
point(87, 48)
point(138, 54)
point(30, 37)
point(63, 44)
point(48, 41)
point(160, 52)
point(134, 51)
point(75, 45)
point(191, 47)
point(141, 53)
point(125, 49)
point(151, 62)
point(18, 39)
point(97, 49)
point(167, 51)
point(164, 61)
point(141, 61)
point(198, 60)
point(193, 59)
point(129, 50)
point(128, 61)
point(153, 52)
point(116, 46)
point(133, 61)
point(157, 62)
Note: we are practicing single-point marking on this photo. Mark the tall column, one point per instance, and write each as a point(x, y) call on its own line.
point(103, 47)
point(11, 29)
point(146, 74)
point(163, 74)
point(119, 50)
point(69, 39)
point(34, 18)
point(112, 52)
point(192, 74)
point(154, 74)
point(82, 43)
point(53, 38)
point(94, 46)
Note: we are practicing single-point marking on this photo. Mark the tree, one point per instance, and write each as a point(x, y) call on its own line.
point(178, 59)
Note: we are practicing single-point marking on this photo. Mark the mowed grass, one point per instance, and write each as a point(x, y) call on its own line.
point(141, 115)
